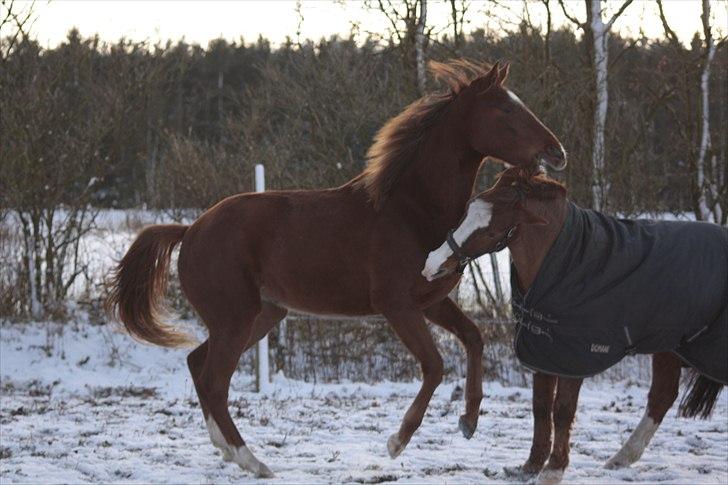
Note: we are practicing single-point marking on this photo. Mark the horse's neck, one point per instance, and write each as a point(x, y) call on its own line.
point(533, 243)
point(441, 179)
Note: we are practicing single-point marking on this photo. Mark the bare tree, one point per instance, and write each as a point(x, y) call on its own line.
point(50, 163)
point(408, 27)
point(458, 20)
point(420, 48)
point(708, 201)
point(710, 175)
point(599, 32)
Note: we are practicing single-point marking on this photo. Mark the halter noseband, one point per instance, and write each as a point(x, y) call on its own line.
point(464, 259)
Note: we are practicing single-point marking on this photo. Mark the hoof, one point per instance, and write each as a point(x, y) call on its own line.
point(624, 457)
point(264, 472)
point(520, 473)
point(226, 455)
point(395, 446)
point(259, 469)
point(550, 476)
point(616, 462)
point(466, 428)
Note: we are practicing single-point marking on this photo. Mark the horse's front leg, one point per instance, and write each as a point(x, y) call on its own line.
point(544, 387)
point(448, 316)
point(409, 325)
point(567, 397)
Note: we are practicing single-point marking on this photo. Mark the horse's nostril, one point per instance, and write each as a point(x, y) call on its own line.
point(556, 152)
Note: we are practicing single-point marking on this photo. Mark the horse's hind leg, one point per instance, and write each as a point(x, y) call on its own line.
point(195, 361)
point(567, 397)
point(663, 392)
point(448, 316)
point(269, 315)
point(230, 314)
point(544, 387)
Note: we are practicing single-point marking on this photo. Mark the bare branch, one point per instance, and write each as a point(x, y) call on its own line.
point(619, 12)
point(572, 18)
point(669, 33)
point(21, 21)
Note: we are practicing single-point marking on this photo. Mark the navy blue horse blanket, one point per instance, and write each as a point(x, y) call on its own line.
point(611, 287)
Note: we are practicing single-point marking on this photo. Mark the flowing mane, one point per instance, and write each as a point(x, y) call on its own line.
point(395, 144)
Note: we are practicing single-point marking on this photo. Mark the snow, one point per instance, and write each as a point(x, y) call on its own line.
point(82, 403)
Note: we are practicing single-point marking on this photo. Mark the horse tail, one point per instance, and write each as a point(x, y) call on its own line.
point(701, 397)
point(139, 282)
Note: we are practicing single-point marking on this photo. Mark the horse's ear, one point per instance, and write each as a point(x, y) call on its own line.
point(503, 73)
point(526, 216)
point(484, 83)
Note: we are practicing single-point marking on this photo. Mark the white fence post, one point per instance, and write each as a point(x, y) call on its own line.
point(263, 366)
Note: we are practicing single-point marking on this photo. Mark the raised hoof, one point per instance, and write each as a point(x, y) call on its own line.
point(550, 476)
point(466, 428)
point(395, 446)
point(520, 473)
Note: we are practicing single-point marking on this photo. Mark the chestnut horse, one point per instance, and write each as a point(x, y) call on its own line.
point(353, 250)
point(526, 213)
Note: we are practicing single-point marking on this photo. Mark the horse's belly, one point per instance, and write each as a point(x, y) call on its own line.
point(319, 295)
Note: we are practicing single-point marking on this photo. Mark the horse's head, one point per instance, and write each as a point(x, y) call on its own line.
point(502, 127)
point(492, 220)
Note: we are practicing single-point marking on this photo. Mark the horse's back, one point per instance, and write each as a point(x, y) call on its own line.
point(304, 249)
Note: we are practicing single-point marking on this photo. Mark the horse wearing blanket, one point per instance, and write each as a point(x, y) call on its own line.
point(587, 290)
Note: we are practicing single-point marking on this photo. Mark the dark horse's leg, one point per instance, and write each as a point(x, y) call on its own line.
point(567, 397)
point(231, 312)
point(409, 325)
point(269, 316)
point(544, 387)
point(663, 392)
point(448, 316)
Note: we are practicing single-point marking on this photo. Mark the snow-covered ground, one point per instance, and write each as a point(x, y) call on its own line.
point(87, 404)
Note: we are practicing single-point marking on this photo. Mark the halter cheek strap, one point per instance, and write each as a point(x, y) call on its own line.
point(464, 259)
point(457, 251)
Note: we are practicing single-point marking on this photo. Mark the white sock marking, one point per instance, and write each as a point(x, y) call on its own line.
point(241, 455)
point(477, 217)
point(218, 440)
point(549, 476)
point(635, 445)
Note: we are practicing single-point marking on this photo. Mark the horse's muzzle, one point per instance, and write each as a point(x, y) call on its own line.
point(554, 156)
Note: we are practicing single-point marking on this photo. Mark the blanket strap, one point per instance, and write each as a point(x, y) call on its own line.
point(631, 348)
point(534, 315)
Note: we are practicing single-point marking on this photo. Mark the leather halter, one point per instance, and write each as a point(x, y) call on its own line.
point(464, 259)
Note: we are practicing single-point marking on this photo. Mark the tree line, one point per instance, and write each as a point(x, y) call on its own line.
point(90, 124)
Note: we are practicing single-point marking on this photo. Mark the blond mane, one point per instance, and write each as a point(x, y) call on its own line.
point(395, 144)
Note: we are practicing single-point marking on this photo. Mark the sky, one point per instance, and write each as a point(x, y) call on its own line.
point(199, 22)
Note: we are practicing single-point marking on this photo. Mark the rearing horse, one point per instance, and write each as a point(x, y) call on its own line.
point(352, 250)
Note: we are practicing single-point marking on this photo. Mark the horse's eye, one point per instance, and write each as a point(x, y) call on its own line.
point(506, 110)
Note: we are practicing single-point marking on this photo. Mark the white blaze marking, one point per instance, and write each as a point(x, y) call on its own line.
point(477, 217)
point(635, 445)
point(241, 455)
point(515, 98)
